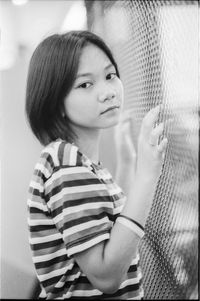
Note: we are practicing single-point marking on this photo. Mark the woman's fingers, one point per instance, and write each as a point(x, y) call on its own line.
point(161, 148)
point(150, 119)
point(155, 134)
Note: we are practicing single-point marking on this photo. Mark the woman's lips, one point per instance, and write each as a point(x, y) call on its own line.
point(110, 108)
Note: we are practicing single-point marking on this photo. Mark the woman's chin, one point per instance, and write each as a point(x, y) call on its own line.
point(111, 123)
point(111, 118)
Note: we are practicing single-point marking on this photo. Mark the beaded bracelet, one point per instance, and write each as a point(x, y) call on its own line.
point(131, 224)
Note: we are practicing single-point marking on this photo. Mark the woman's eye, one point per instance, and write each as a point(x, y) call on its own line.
point(85, 85)
point(111, 75)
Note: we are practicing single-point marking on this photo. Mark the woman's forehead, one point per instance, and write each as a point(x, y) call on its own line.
point(93, 57)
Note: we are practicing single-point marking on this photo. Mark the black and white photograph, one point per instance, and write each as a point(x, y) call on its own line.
point(99, 149)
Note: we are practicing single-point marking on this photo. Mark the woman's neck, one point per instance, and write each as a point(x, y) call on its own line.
point(88, 143)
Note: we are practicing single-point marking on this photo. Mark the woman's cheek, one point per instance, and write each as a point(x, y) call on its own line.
point(120, 91)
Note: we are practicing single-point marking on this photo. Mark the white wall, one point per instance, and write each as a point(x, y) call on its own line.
point(23, 28)
point(19, 150)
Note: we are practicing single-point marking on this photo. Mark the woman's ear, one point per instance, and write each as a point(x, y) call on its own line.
point(63, 114)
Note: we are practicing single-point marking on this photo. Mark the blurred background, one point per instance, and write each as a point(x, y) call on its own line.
point(156, 46)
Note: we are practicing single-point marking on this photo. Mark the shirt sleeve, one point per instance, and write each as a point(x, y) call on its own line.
point(80, 206)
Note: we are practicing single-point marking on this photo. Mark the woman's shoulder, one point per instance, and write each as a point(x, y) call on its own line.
point(56, 155)
point(62, 153)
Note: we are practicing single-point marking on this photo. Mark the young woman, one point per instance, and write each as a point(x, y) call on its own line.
point(84, 232)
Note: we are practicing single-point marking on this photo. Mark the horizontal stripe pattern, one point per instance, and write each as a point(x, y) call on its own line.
point(72, 205)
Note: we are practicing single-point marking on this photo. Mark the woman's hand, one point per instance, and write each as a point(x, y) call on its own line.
point(150, 155)
point(125, 149)
point(151, 146)
point(126, 154)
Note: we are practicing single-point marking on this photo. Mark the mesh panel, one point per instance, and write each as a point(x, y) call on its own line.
point(156, 46)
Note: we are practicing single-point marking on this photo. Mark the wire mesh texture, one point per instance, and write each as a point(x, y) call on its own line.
point(156, 46)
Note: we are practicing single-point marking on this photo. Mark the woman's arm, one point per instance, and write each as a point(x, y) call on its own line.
point(107, 263)
point(125, 153)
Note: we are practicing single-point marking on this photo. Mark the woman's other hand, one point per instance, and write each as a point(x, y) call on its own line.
point(125, 148)
point(125, 153)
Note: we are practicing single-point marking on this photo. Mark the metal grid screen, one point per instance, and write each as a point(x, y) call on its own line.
point(156, 46)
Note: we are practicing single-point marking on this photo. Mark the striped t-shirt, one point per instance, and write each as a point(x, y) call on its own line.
point(72, 205)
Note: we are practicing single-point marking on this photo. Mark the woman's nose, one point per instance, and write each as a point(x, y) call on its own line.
point(106, 94)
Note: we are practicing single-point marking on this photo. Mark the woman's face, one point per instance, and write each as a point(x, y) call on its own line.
point(96, 98)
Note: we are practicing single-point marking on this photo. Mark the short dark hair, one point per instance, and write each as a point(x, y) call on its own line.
point(52, 71)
